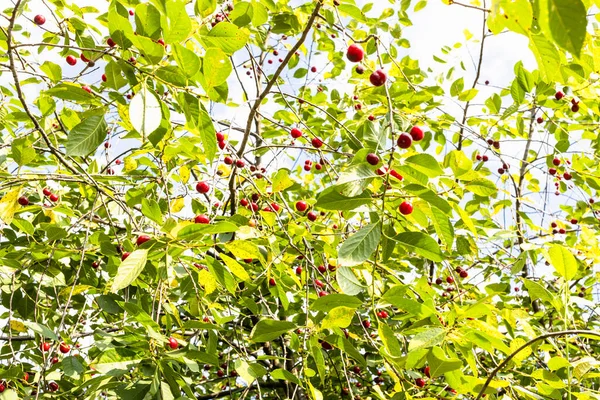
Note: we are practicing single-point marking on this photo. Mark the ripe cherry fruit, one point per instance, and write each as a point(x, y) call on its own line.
point(142, 239)
point(296, 133)
point(378, 78)
point(559, 95)
point(272, 282)
point(372, 159)
point(416, 133)
point(312, 216)
point(173, 343)
point(39, 20)
point(64, 348)
point(316, 142)
point(202, 219)
point(420, 382)
point(404, 141)
point(301, 206)
point(355, 53)
point(45, 346)
point(405, 208)
point(202, 187)
point(23, 200)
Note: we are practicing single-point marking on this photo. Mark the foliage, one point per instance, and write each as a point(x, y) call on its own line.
point(163, 237)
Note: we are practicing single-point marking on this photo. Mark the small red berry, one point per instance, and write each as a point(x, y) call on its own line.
point(301, 206)
point(53, 198)
point(378, 78)
point(355, 53)
point(71, 60)
point(559, 95)
point(23, 200)
point(39, 20)
point(312, 216)
point(416, 133)
point(404, 141)
point(201, 219)
point(449, 279)
point(405, 208)
point(372, 159)
point(64, 348)
point(142, 239)
point(316, 142)
point(272, 282)
point(173, 344)
point(202, 187)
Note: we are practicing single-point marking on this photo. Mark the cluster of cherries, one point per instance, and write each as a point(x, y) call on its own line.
point(24, 200)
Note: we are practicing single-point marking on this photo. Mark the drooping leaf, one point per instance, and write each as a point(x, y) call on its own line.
point(86, 136)
point(268, 329)
point(130, 269)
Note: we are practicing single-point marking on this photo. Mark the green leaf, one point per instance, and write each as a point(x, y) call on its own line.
point(269, 329)
point(244, 249)
point(429, 196)
point(338, 317)
point(422, 244)
point(348, 282)
point(282, 180)
point(458, 162)
point(549, 59)
point(113, 359)
point(563, 261)
point(426, 164)
point(69, 91)
point(145, 112)
point(40, 329)
point(408, 305)
point(359, 246)
point(388, 337)
point(428, 338)
point(481, 187)
point(537, 291)
point(242, 14)
point(179, 24)
point(130, 269)
point(147, 20)
point(22, 151)
point(207, 132)
point(152, 51)
point(354, 180)
point(225, 36)
point(86, 136)
point(53, 71)
point(443, 226)
point(235, 268)
point(332, 199)
point(326, 303)
point(439, 364)
point(249, 372)
point(205, 7)
point(187, 60)
point(151, 209)
point(284, 375)
point(198, 231)
point(72, 367)
point(114, 78)
point(216, 67)
point(565, 21)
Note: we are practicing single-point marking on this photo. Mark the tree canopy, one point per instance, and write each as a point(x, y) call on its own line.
point(272, 199)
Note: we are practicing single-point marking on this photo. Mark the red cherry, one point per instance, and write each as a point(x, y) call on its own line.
point(95, 264)
point(567, 176)
point(331, 267)
point(540, 120)
point(23, 200)
point(438, 281)
point(220, 137)
point(501, 171)
point(552, 171)
point(556, 161)
point(45, 346)
point(161, 42)
point(142, 239)
point(427, 371)
point(405, 208)
point(378, 78)
point(220, 373)
point(64, 348)
point(84, 58)
point(319, 284)
point(372, 159)
point(125, 255)
point(322, 269)
point(371, 117)
point(228, 160)
point(416, 133)
point(272, 282)
point(104, 78)
point(53, 197)
point(450, 279)
point(173, 343)
point(325, 345)
point(366, 323)
point(463, 274)
point(322, 293)
point(485, 158)
point(404, 141)
point(312, 216)
point(202, 187)
point(301, 206)
point(396, 175)
point(53, 386)
point(296, 133)
point(110, 42)
point(562, 231)
point(420, 382)
point(39, 20)
point(360, 69)
point(313, 69)
point(559, 95)
point(575, 108)
point(316, 142)
point(71, 60)
point(201, 219)
point(574, 221)
point(131, 12)
point(355, 53)
point(299, 270)
point(275, 207)
point(240, 163)
point(46, 192)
